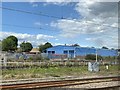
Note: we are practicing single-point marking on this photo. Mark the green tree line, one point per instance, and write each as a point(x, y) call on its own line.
point(10, 44)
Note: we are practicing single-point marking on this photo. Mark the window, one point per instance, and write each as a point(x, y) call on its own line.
point(53, 52)
point(71, 51)
point(49, 51)
point(65, 52)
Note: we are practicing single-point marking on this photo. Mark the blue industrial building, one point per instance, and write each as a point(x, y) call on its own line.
point(75, 51)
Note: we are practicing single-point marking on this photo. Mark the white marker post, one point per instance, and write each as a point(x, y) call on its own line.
point(107, 67)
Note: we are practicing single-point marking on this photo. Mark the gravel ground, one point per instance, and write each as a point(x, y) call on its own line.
point(16, 81)
point(75, 87)
point(95, 85)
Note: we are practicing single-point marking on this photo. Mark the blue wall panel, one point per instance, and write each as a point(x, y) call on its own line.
point(72, 51)
point(107, 52)
point(84, 51)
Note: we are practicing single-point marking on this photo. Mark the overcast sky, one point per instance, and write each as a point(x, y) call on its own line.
point(87, 23)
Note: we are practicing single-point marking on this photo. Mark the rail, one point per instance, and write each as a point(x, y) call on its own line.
point(59, 83)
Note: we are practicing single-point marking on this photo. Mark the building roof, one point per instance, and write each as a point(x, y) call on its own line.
point(35, 50)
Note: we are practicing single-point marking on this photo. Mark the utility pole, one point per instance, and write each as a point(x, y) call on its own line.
point(68, 55)
point(74, 53)
point(96, 55)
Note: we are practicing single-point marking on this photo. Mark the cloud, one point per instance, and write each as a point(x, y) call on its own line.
point(37, 24)
point(33, 3)
point(47, 2)
point(34, 39)
point(55, 44)
point(73, 28)
point(57, 2)
point(92, 9)
point(109, 41)
point(99, 20)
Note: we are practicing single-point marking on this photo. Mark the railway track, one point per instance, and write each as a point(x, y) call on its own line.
point(106, 88)
point(59, 83)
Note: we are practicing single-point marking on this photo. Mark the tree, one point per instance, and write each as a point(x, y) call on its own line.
point(104, 47)
point(10, 43)
point(14, 39)
point(42, 48)
point(75, 45)
point(92, 57)
point(26, 47)
point(47, 45)
point(112, 49)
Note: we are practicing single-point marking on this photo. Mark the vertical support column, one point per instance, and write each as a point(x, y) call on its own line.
point(74, 53)
point(96, 55)
point(68, 55)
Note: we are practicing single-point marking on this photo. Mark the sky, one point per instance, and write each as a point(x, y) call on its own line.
point(87, 23)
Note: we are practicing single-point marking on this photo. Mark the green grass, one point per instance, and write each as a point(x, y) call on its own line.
point(56, 72)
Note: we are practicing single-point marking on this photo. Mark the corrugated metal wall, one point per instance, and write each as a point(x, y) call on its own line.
point(72, 51)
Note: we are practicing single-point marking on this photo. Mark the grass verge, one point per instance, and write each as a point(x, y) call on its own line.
point(37, 72)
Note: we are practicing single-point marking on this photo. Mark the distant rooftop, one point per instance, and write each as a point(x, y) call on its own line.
point(35, 50)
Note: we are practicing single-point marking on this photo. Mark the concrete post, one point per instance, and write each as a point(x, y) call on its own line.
point(96, 55)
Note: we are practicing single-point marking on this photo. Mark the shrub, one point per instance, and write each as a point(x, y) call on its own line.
point(92, 57)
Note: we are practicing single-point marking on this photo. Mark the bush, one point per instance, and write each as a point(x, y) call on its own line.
point(30, 58)
point(92, 57)
point(38, 58)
